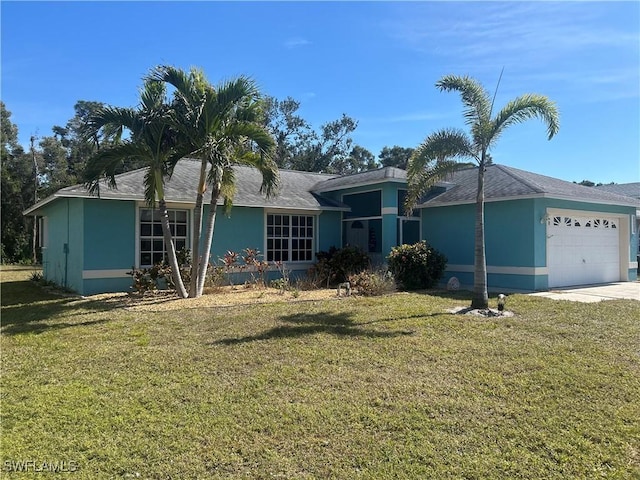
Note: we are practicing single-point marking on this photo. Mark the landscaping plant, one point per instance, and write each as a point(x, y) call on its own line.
point(416, 266)
point(335, 266)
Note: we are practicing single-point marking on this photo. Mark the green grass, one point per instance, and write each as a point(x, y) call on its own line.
point(388, 387)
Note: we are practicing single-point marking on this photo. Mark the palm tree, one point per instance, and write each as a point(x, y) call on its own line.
point(152, 140)
point(221, 126)
point(439, 155)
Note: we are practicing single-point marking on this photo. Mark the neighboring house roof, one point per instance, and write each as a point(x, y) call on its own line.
point(626, 189)
point(369, 177)
point(295, 189)
point(505, 183)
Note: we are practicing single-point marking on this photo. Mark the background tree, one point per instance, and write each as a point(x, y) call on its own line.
point(439, 154)
point(320, 152)
point(288, 129)
point(16, 191)
point(359, 160)
point(395, 156)
point(589, 183)
point(54, 172)
point(300, 147)
point(81, 142)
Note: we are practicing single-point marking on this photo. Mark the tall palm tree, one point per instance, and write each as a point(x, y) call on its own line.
point(439, 155)
point(152, 140)
point(221, 126)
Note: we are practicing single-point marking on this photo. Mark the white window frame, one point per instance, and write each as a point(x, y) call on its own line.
point(153, 237)
point(270, 253)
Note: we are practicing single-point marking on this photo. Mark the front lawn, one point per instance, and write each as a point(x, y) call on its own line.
point(387, 387)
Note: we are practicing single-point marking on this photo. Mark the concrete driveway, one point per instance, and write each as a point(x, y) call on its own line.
point(595, 293)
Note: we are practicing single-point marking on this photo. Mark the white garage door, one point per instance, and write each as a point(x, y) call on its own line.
point(583, 250)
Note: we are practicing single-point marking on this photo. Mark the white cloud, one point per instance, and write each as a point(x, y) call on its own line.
point(296, 42)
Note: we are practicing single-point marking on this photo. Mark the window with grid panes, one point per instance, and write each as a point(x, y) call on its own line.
point(289, 238)
point(152, 247)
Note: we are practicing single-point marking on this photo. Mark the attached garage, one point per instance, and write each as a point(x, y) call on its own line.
point(540, 232)
point(583, 249)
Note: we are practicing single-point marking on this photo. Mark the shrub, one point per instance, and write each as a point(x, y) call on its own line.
point(148, 279)
point(416, 266)
point(372, 283)
point(335, 266)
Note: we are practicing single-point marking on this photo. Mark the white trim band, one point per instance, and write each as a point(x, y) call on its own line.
point(96, 274)
point(501, 270)
point(390, 211)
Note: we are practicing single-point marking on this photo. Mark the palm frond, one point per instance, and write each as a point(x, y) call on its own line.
point(475, 97)
point(228, 188)
point(524, 108)
point(113, 118)
point(438, 156)
point(153, 96)
point(104, 164)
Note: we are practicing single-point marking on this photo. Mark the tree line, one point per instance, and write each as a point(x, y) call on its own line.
point(59, 160)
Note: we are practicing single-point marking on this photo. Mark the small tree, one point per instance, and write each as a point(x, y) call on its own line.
point(439, 155)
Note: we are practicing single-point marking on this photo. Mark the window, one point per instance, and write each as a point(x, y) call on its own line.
point(368, 204)
point(152, 247)
point(289, 238)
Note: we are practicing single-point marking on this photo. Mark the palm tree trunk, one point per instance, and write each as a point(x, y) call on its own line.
point(196, 261)
point(480, 298)
point(171, 249)
point(208, 237)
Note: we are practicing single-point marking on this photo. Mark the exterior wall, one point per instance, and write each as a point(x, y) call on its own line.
point(62, 256)
point(245, 228)
point(329, 231)
point(515, 240)
point(514, 243)
point(109, 246)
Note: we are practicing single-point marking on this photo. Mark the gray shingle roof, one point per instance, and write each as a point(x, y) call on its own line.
point(302, 190)
point(502, 182)
point(626, 189)
point(295, 189)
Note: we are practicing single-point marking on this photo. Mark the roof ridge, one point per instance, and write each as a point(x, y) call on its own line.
point(509, 171)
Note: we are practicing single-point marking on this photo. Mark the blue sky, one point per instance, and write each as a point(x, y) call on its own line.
point(377, 62)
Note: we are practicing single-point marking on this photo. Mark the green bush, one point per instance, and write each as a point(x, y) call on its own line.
point(372, 283)
point(335, 266)
point(416, 266)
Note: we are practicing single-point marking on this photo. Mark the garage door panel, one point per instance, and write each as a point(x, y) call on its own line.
point(582, 250)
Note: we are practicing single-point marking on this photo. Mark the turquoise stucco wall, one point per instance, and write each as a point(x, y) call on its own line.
point(329, 230)
point(109, 232)
point(450, 230)
point(243, 228)
point(63, 253)
point(110, 243)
